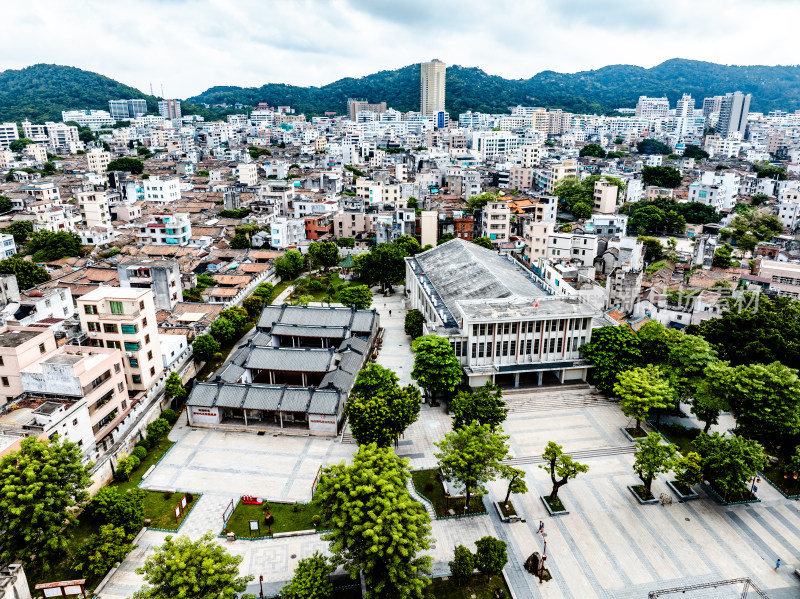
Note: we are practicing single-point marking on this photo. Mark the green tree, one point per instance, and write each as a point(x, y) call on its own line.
point(462, 566)
point(130, 165)
point(28, 274)
point(687, 362)
point(759, 198)
point(656, 342)
point(712, 393)
point(356, 296)
point(722, 257)
point(204, 347)
point(652, 458)
point(477, 202)
point(374, 379)
point(48, 168)
point(612, 350)
point(766, 400)
point(20, 229)
point(205, 280)
point(240, 242)
point(483, 405)
point(18, 145)
point(728, 462)
point(382, 417)
point(223, 329)
point(413, 323)
point(471, 455)
point(641, 390)
point(47, 246)
point(408, 245)
point(311, 579)
point(200, 569)
point(436, 368)
point(377, 528)
point(696, 152)
point(765, 170)
point(5, 206)
point(383, 264)
point(173, 386)
point(484, 242)
point(304, 300)
point(689, 469)
point(266, 291)
point(253, 304)
point(445, 238)
point(662, 176)
point(516, 481)
point(346, 242)
point(324, 254)
point(593, 150)
point(290, 264)
point(491, 556)
point(41, 484)
point(653, 250)
point(559, 464)
point(101, 551)
point(124, 510)
point(237, 317)
point(157, 430)
point(652, 146)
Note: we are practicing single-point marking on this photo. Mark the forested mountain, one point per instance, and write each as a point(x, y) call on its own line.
point(41, 92)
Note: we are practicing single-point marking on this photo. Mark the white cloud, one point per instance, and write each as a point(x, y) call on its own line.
point(189, 46)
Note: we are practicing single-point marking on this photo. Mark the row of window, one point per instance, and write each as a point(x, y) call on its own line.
point(528, 347)
point(530, 326)
point(115, 307)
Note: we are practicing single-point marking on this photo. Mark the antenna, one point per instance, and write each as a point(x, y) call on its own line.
point(162, 90)
point(151, 88)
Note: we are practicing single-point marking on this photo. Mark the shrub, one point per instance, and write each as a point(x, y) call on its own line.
point(167, 494)
point(429, 486)
point(144, 443)
point(189, 498)
point(140, 452)
point(315, 519)
point(125, 466)
point(314, 285)
point(170, 416)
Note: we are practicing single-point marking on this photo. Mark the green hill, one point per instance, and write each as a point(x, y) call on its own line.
point(42, 91)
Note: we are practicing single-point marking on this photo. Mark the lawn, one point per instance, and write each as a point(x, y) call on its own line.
point(478, 587)
point(286, 518)
point(329, 279)
point(281, 287)
point(555, 504)
point(429, 486)
point(640, 492)
point(680, 436)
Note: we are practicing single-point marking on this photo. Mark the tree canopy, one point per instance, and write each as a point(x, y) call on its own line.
point(560, 466)
point(652, 146)
point(28, 274)
point(483, 405)
point(290, 264)
point(652, 458)
point(436, 368)
point(594, 150)
point(612, 350)
point(356, 296)
point(578, 195)
point(324, 254)
point(662, 176)
point(377, 528)
point(696, 152)
point(641, 390)
point(729, 461)
point(130, 165)
point(47, 246)
point(668, 216)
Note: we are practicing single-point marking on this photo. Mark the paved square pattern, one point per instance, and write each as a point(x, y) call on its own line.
point(608, 546)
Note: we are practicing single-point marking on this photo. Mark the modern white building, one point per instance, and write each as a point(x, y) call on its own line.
point(711, 195)
point(7, 246)
point(94, 119)
point(97, 160)
point(8, 133)
point(248, 174)
point(287, 232)
point(161, 191)
point(652, 108)
point(496, 222)
point(123, 110)
point(170, 109)
point(94, 209)
point(165, 228)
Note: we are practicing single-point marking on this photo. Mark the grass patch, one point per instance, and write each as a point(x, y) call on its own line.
point(639, 490)
point(682, 489)
point(507, 509)
point(280, 288)
point(636, 433)
point(742, 494)
point(655, 266)
point(213, 365)
point(680, 436)
point(326, 280)
point(478, 586)
point(555, 504)
point(429, 486)
point(286, 519)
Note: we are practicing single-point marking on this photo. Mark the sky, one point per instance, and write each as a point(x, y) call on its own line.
point(190, 45)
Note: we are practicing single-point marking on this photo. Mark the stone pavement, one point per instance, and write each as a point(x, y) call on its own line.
point(395, 352)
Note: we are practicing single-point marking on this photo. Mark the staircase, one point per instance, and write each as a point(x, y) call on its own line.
point(583, 454)
point(428, 507)
point(553, 398)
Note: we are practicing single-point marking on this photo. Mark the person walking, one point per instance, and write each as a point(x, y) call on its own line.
point(390, 312)
point(777, 564)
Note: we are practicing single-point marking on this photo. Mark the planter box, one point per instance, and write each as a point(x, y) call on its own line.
point(755, 498)
point(510, 518)
point(681, 496)
point(639, 498)
point(630, 437)
point(563, 512)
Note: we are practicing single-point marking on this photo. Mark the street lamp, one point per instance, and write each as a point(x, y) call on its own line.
point(261, 586)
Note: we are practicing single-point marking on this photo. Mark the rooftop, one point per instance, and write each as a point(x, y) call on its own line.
point(113, 293)
point(16, 337)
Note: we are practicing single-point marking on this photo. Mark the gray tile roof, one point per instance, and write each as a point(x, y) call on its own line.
point(308, 331)
point(351, 362)
point(264, 397)
point(269, 315)
point(356, 344)
point(203, 395)
point(289, 359)
point(340, 379)
point(296, 399)
point(363, 322)
point(324, 401)
point(231, 396)
point(232, 373)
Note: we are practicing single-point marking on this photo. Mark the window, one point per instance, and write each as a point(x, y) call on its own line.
point(144, 323)
point(530, 326)
point(5, 381)
point(514, 328)
point(116, 367)
point(480, 350)
point(474, 350)
point(513, 348)
point(552, 346)
point(482, 329)
point(133, 362)
point(113, 344)
point(141, 305)
point(490, 329)
point(41, 348)
point(131, 346)
point(498, 345)
point(505, 348)
point(124, 405)
point(90, 309)
point(119, 387)
point(150, 355)
point(560, 345)
point(561, 325)
point(585, 324)
point(137, 379)
point(506, 328)
point(93, 326)
point(528, 345)
point(110, 328)
point(146, 339)
point(97, 342)
point(116, 307)
point(474, 330)
point(1, 360)
point(569, 343)
point(75, 422)
point(538, 326)
point(152, 371)
point(129, 329)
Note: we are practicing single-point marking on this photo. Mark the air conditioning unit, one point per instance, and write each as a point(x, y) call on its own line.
point(129, 354)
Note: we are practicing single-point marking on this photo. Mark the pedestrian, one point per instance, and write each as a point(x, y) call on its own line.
point(390, 312)
point(541, 526)
point(778, 564)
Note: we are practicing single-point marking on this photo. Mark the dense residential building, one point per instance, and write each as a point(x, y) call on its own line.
point(163, 277)
point(98, 160)
point(125, 319)
point(432, 87)
point(8, 133)
point(733, 112)
point(123, 110)
point(170, 109)
point(496, 222)
point(19, 348)
point(161, 191)
point(605, 196)
point(94, 119)
point(165, 228)
point(650, 108)
point(7, 246)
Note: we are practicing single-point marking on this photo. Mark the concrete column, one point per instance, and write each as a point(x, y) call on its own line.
point(561, 376)
point(280, 415)
point(540, 378)
point(245, 416)
point(516, 380)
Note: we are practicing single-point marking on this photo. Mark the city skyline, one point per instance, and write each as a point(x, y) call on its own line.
point(189, 47)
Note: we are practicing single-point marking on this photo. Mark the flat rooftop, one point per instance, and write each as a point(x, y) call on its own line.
point(113, 293)
point(16, 337)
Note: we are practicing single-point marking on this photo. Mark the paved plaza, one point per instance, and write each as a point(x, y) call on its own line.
point(608, 546)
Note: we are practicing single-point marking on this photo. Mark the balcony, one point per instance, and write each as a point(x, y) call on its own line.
point(107, 397)
point(125, 316)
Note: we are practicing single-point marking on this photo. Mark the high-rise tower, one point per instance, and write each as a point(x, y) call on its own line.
point(432, 81)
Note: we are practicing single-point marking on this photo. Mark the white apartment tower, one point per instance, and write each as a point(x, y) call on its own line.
point(432, 87)
point(652, 108)
point(733, 111)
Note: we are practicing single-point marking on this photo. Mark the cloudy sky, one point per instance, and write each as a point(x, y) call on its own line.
point(190, 45)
